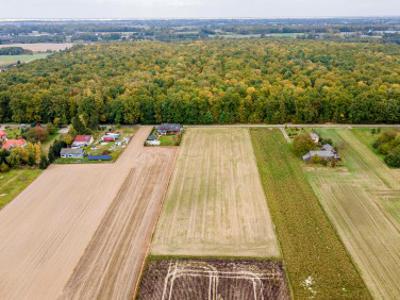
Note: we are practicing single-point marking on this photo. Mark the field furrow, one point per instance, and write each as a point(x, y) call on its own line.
point(215, 205)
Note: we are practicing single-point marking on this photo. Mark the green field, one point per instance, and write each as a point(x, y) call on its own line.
point(14, 182)
point(25, 58)
point(317, 262)
point(361, 198)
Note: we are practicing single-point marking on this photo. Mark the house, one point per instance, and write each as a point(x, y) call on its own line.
point(9, 144)
point(108, 138)
point(82, 141)
point(3, 136)
point(327, 152)
point(315, 137)
point(328, 147)
point(167, 128)
point(72, 153)
point(115, 135)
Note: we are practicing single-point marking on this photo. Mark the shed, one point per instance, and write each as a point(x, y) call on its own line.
point(169, 128)
point(72, 153)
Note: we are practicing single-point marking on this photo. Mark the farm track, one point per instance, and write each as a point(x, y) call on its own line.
point(362, 202)
point(215, 205)
point(84, 226)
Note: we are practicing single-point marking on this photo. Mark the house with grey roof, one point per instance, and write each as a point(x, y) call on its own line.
point(72, 153)
point(327, 152)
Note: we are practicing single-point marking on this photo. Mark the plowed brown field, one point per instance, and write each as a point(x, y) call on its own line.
point(82, 231)
point(213, 279)
point(215, 205)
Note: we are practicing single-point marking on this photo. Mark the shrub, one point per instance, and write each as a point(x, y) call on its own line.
point(393, 158)
point(302, 143)
point(44, 162)
point(384, 138)
point(55, 149)
point(4, 168)
point(37, 134)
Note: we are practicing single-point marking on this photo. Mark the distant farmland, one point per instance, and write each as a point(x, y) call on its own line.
point(363, 201)
point(40, 47)
point(215, 204)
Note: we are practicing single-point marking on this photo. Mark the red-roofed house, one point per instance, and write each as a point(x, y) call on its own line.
point(82, 141)
point(3, 136)
point(9, 144)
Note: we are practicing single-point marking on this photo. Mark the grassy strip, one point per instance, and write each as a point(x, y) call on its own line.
point(316, 260)
point(14, 182)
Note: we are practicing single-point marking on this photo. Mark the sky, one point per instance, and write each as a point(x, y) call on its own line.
point(152, 9)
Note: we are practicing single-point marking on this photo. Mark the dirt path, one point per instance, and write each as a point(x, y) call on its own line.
point(57, 225)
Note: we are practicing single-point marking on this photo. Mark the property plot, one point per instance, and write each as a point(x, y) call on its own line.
point(317, 263)
point(215, 279)
point(362, 199)
point(78, 219)
point(215, 205)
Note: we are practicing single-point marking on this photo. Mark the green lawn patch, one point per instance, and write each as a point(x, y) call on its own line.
point(14, 182)
point(317, 262)
point(24, 58)
point(170, 140)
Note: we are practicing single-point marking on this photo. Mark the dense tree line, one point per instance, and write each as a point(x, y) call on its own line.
point(221, 81)
point(14, 51)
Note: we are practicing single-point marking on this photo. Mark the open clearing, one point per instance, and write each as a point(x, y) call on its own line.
point(40, 47)
point(215, 204)
point(213, 279)
point(82, 231)
point(25, 58)
point(362, 200)
point(316, 261)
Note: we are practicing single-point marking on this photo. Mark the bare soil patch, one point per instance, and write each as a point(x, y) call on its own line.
point(213, 279)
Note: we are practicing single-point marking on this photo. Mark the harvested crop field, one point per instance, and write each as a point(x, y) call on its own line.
point(40, 47)
point(316, 261)
point(362, 200)
point(85, 227)
point(213, 279)
point(215, 204)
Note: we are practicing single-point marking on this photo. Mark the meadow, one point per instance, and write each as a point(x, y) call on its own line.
point(316, 261)
point(24, 58)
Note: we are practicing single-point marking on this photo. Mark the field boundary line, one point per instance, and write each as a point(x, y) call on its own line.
point(136, 289)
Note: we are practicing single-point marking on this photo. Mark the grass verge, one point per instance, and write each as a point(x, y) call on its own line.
point(14, 182)
point(317, 262)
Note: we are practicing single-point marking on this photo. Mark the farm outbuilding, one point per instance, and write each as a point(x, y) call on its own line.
point(72, 153)
point(327, 152)
point(82, 141)
point(3, 136)
point(9, 144)
point(169, 128)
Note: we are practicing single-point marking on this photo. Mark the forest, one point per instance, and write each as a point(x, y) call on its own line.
point(203, 82)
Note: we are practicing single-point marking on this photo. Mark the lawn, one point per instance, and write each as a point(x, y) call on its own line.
point(362, 199)
point(169, 140)
point(215, 205)
point(14, 182)
point(25, 58)
point(317, 262)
